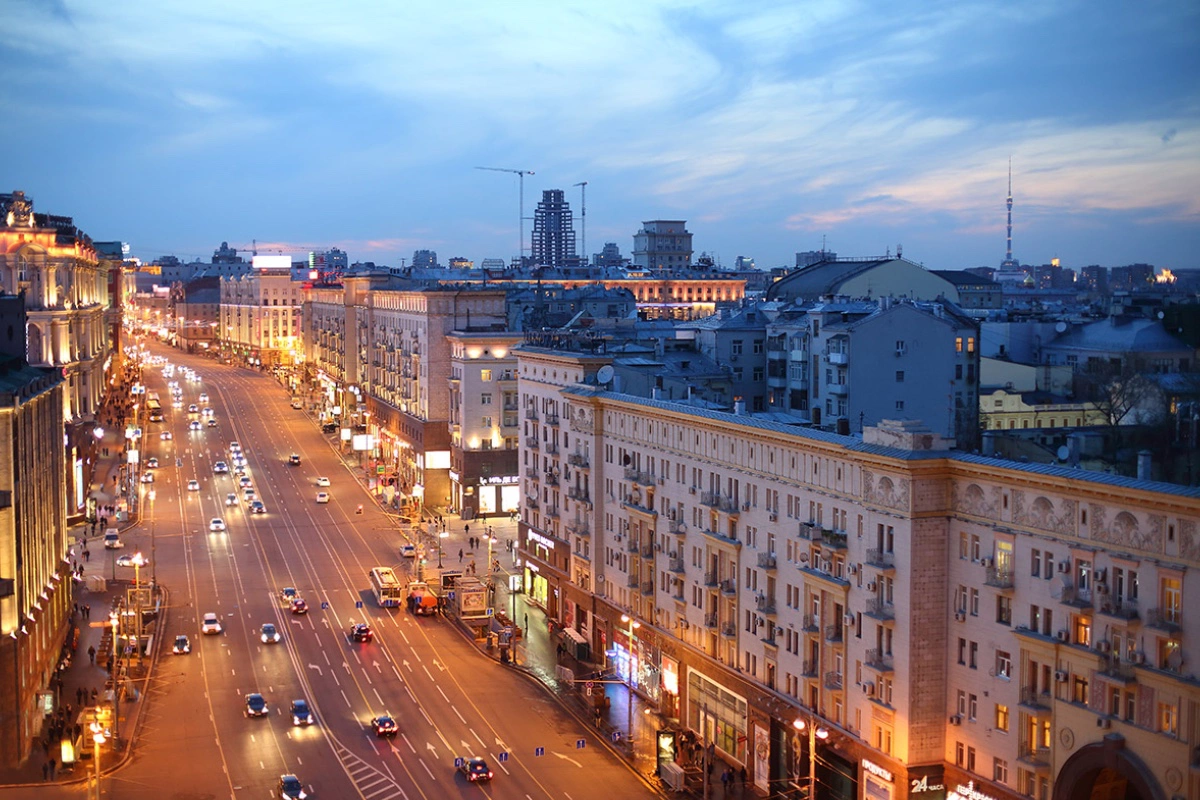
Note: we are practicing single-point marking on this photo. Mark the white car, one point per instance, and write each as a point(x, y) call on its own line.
point(231, 499)
point(194, 425)
point(211, 624)
point(234, 447)
point(322, 497)
point(193, 486)
point(220, 468)
point(217, 524)
point(166, 436)
point(152, 463)
point(322, 481)
point(203, 397)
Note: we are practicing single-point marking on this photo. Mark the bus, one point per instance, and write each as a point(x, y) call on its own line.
point(387, 588)
point(154, 407)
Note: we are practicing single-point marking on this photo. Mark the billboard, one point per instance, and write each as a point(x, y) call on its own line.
point(272, 262)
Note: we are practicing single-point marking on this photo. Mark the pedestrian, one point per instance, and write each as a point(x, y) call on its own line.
point(79, 695)
point(87, 555)
point(460, 555)
point(526, 622)
point(742, 775)
point(467, 530)
point(92, 656)
point(87, 611)
point(45, 770)
point(53, 766)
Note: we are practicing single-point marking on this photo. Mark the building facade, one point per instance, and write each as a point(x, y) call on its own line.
point(662, 245)
point(553, 238)
point(260, 317)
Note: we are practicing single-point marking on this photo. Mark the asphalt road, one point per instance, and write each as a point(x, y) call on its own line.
point(449, 700)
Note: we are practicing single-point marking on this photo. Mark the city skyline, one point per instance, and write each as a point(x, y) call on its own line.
point(771, 129)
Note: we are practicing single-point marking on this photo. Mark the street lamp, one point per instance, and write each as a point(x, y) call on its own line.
point(153, 545)
point(633, 625)
point(115, 620)
point(138, 562)
point(815, 732)
point(98, 738)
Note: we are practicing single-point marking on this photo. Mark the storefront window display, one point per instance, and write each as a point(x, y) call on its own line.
point(717, 715)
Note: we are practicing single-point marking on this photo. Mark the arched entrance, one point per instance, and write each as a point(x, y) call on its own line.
point(1106, 770)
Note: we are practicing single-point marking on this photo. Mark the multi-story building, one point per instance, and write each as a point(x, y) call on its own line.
point(862, 278)
point(197, 313)
point(485, 424)
point(68, 305)
point(553, 239)
point(35, 582)
point(1001, 630)
point(662, 245)
point(260, 317)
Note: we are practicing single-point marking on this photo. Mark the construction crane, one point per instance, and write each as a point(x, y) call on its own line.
point(583, 218)
point(520, 173)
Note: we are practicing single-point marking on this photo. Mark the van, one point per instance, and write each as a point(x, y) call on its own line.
point(112, 539)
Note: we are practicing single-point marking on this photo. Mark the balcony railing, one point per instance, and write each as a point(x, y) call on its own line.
point(634, 581)
point(576, 493)
point(676, 564)
point(1034, 699)
point(676, 526)
point(552, 419)
point(1122, 609)
point(766, 560)
point(881, 559)
point(710, 621)
point(833, 633)
point(1078, 596)
point(648, 551)
point(1167, 619)
point(531, 413)
point(811, 623)
point(729, 586)
point(710, 579)
point(579, 527)
point(1001, 578)
point(809, 669)
point(552, 511)
point(647, 587)
point(531, 502)
point(728, 630)
point(632, 545)
point(765, 604)
point(1037, 756)
point(877, 608)
point(877, 659)
point(533, 442)
point(833, 680)
point(578, 460)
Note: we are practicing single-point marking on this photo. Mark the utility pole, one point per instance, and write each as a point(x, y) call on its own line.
point(583, 218)
point(520, 173)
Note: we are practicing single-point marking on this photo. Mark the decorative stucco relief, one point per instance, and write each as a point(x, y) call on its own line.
point(1126, 531)
point(972, 500)
point(1042, 514)
point(883, 491)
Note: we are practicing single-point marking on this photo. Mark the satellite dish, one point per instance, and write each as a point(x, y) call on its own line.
point(1063, 453)
point(1061, 327)
point(604, 374)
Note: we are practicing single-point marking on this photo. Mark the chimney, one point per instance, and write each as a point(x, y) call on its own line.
point(989, 444)
point(1144, 461)
point(739, 408)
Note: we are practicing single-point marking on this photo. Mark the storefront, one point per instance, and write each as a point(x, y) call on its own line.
point(717, 715)
point(486, 495)
point(537, 588)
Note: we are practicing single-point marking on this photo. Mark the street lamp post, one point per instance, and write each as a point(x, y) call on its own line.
point(153, 545)
point(115, 620)
point(815, 732)
point(97, 739)
point(138, 562)
point(633, 625)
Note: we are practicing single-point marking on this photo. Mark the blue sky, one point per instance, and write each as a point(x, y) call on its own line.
point(767, 126)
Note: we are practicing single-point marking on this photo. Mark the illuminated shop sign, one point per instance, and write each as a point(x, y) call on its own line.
point(542, 540)
point(968, 792)
point(877, 771)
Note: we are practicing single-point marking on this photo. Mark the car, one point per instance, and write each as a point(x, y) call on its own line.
point(289, 593)
point(301, 713)
point(361, 633)
point(217, 524)
point(235, 447)
point(147, 477)
point(220, 468)
point(239, 470)
point(152, 463)
point(384, 725)
point(194, 425)
point(269, 634)
point(257, 507)
point(112, 540)
point(206, 412)
point(166, 436)
point(176, 403)
point(290, 788)
point(239, 460)
point(322, 481)
point(299, 607)
point(249, 494)
point(231, 499)
point(408, 550)
point(193, 409)
point(193, 486)
point(203, 397)
point(245, 482)
point(211, 625)
point(296, 404)
point(329, 427)
point(183, 645)
point(212, 423)
point(476, 769)
point(256, 705)
point(294, 460)
point(128, 561)
point(322, 497)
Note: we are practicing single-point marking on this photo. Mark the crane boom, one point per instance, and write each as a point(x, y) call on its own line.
point(583, 218)
point(520, 173)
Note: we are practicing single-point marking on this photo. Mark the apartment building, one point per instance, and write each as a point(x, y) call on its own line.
point(260, 317)
point(954, 624)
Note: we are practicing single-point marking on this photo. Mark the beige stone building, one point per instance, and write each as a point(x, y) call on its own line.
point(260, 317)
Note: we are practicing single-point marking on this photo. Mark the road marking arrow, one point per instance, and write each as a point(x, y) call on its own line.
point(407, 666)
point(317, 667)
point(565, 758)
point(430, 748)
point(378, 668)
point(438, 664)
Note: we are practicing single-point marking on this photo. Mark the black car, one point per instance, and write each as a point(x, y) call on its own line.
point(290, 788)
point(256, 705)
point(384, 725)
point(301, 714)
point(299, 606)
point(361, 633)
point(476, 769)
point(329, 427)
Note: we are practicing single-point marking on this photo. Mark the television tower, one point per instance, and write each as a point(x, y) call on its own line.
point(1008, 259)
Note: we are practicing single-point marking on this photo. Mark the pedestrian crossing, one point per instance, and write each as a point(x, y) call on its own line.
point(371, 783)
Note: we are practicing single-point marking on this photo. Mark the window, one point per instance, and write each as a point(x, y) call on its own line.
point(1004, 610)
point(999, 770)
point(962, 703)
point(1048, 565)
point(485, 376)
point(974, 602)
point(1003, 664)
point(1171, 599)
point(485, 399)
point(1035, 563)
point(1168, 719)
point(1079, 689)
point(970, 765)
point(974, 659)
point(899, 376)
point(976, 553)
point(962, 651)
point(1001, 717)
point(899, 405)
point(486, 422)
point(972, 707)
point(958, 344)
point(736, 348)
point(960, 754)
point(963, 548)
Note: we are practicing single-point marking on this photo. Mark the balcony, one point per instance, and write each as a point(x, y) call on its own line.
point(765, 604)
point(1121, 609)
point(632, 545)
point(1117, 670)
point(711, 499)
point(878, 609)
point(1165, 619)
point(1032, 698)
point(729, 586)
point(551, 477)
point(810, 624)
point(1079, 597)
point(533, 442)
point(552, 511)
point(838, 388)
point(728, 630)
point(675, 564)
point(1001, 578)
point(676, 526)
point(551, 448)
point(647, 587)
point(639, 477)
point(879, 660)
point(531, 413)
point(833, 633)
point(531, 502)
point(710, 579)
point(533, 473)
point(576, 493)
point(838, 357)
point(1034, 756)
point(766, 561)
point(833, 680)
point(578, 460)
point(648, 551)
point(634, 581)
point(710, 621)
point(579, 527)
point(832, 538)
point(809, 669)
point(810, 531)
point(552, 419)
point(881, 560)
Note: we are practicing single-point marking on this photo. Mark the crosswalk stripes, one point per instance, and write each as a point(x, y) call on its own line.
point(371, 783)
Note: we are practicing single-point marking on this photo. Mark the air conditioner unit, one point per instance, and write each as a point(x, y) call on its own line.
point(871, 586)
point(773, 517)
point(745, 506)
point(1101, 588)
point(1061, 676)
point(691, 490)
point(1064, 635)
point(1101, 575)
point(1103, 645)
point(852, 569)
point(1138, 658)
point(956, 719)
point(1104, 723)
point(848, 619)
point(1064, 565)
point(987, 563)
point(869, 688)
point(960, 616)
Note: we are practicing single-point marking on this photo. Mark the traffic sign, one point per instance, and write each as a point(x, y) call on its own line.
point(324, 604)
point(580, 744)
point(616, 736)
point(503, 756)
point(539, 751)
point(589, 691)
point(358, 603)
point(458, 762)
point(591, 684)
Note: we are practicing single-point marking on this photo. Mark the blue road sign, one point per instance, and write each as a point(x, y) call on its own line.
point(324, 604)
point(458, 762)
point(358, 603)
point(503, 756)
point(539, 751)
point(616, 736)
point(580, 744)
point(450, 596)
point(491, 611)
